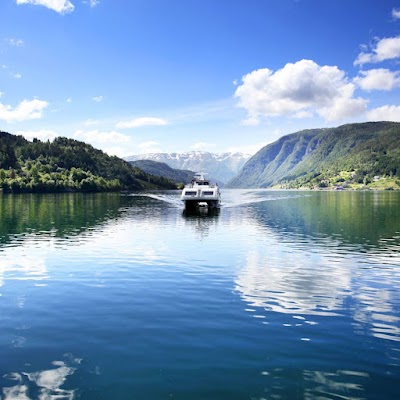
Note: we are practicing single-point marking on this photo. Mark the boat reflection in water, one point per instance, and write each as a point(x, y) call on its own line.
point(201, 211)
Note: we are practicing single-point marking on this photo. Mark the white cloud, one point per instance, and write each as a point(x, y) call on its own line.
point(15, 42)
point(100, 137)
point(43, 135)
point(111, 142)
point(384, 113)
point(98, 99)
point(396, 13)
point(69, 100)
point(298, 90)
point(149, 147)
point(202, 146)
point(92, 3)
point(17, 76)
point(27, 109)
point(143, 121)
point(303, 114)
point(118, 151)
point(378, 79)
point(91, 122)
point(250, 149)
point(60, 6)
point(384, 49)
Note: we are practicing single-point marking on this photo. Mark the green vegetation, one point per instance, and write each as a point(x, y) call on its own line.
point(161, 169)
point(357, 156)
point(67, 165)
point(343, 216)
point(58, 215)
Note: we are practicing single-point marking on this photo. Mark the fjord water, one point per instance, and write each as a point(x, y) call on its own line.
point(280, 295)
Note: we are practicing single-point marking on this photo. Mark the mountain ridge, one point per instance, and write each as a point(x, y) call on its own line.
point(67, 165)
point(163, 170)
point(219, 166)
point(316, 155)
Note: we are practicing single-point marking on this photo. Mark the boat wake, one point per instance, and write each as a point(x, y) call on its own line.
point(231, 198)
point(248, 198)
point(170, 199)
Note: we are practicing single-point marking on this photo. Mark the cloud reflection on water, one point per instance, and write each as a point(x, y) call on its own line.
point(26, 262)
point(293, 283)
point(324, 283)
point(46, 384)
point(336, 384)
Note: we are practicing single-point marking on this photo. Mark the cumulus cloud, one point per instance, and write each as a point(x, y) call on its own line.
point(249, 149)
point(202, 146)
point(384, 49)
point(43, 135)
point(396, 13)
point(143, 121)
point(149, 147)
point(92, 3)
point(111, 142)
point(299, 90)
point(15, 42)
point(100, 137)
point(60, 6)
point(27, 109)
point(91, 122)
point(98, 99)
point(384, 113)
point(378, 79)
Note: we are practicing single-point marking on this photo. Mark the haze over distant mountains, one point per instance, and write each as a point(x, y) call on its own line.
point(219, 166)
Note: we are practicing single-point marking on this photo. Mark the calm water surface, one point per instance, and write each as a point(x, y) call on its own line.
point(281, 295)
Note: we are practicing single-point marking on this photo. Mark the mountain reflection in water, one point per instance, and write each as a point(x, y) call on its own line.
point(279, 295)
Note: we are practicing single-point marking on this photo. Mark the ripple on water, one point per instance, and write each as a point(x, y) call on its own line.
point(286, 301)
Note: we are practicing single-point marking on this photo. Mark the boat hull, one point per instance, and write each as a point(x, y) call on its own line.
point(201, 194)
point(195, 204)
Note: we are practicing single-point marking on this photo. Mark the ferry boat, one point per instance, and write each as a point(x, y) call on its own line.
point(200, 193)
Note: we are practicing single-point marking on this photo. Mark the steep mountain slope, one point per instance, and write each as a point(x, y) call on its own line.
point(219, 166)
point(371, 148)
point(161, 169)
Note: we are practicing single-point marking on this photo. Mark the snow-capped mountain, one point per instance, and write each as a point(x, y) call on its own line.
point(219, 166)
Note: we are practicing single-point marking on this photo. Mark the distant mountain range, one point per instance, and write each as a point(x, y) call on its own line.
point(354, 155)
point(219, 166)
point(321, 156)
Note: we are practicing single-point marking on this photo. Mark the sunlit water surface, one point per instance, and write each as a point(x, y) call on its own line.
point(280, 295)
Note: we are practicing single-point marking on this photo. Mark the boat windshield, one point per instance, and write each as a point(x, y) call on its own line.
point(205, 183)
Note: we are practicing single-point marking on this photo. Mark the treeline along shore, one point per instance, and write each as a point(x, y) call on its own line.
point(351, 156)
point(66, 165)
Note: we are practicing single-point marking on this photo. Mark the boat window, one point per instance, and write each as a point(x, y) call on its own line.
point(190, 193)
point(208, 193)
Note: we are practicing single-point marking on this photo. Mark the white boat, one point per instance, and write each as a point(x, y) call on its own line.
point(200, 193)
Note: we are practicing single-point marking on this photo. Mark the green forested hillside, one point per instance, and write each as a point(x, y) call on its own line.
point(67, 165)
point(161, 169)
point(354, 154)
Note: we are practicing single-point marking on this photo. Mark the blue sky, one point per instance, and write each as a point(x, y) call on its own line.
point(142, 76)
